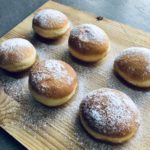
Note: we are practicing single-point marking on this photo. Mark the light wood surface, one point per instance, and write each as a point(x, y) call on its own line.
point(40, 128)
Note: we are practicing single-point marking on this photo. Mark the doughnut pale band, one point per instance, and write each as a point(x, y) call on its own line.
point(86, 58)
point(104, 137)
point(51, 33)
point(24, 64)
point(139, 83)
point(51, 102)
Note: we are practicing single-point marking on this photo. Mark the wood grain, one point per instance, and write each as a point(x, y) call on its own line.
point(40, 128)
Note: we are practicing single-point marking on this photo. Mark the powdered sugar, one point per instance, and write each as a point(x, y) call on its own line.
point(135, 51)
point(88, 32)
point(64, 120)
point(15, 50)
point(58, 70)
point(52, 68)
point(14, 44)
point(49, 17)
point(135, 62)
point(110, 111)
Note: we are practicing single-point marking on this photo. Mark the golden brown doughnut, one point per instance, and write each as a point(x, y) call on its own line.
point(88, 42)
point(16, 54)
point(133, 65)
point(109, 115)
point(52, 82)
point(50, 23)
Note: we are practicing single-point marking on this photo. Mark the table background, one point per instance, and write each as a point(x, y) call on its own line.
point(135, 13)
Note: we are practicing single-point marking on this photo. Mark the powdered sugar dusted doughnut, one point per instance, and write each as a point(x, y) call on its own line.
point(50, 23)
point(52, 82)
point(133, 64)
point(88, 42)
point(17, 54)
point(109, 115)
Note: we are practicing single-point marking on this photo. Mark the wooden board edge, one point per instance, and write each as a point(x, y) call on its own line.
point(139, 33)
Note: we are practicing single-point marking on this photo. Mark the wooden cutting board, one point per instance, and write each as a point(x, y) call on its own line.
point(40, 128)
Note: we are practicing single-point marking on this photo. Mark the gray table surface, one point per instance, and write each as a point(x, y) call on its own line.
point(135, 13)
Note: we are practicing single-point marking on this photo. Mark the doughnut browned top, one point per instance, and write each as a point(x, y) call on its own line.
point(88, 39)
point(110, 112)
point(15, 50)
point(50, 19)
point(53, 78)
point(134, 62)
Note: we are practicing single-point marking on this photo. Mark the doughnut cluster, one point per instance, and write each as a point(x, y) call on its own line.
point(106, 114)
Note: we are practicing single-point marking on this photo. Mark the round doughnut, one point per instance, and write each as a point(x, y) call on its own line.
point(50, 23)
point(133, 65)
point(109, 115)
point(16, 55)
point(52, 82)
point(88, 43)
